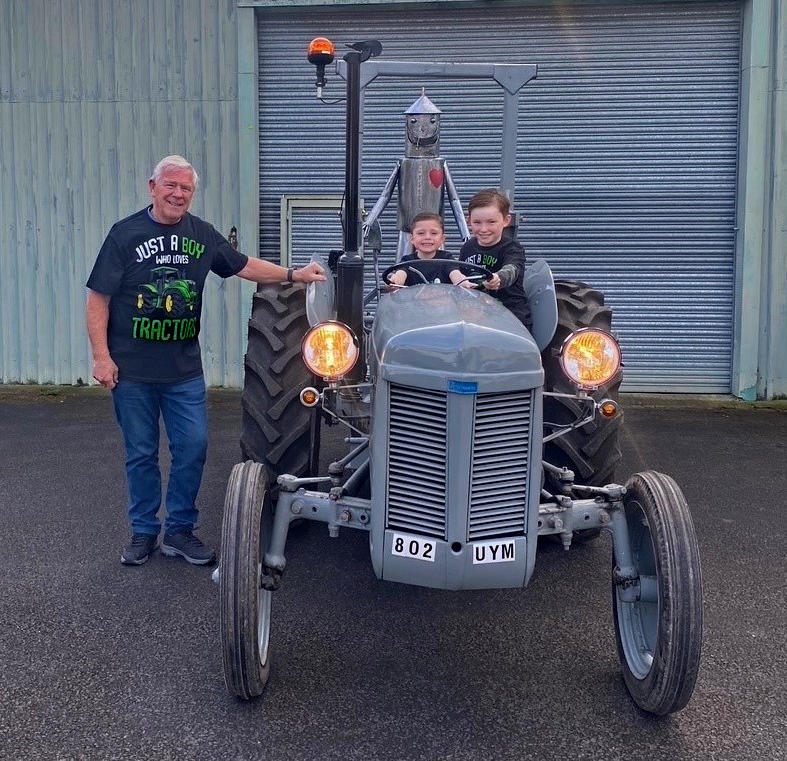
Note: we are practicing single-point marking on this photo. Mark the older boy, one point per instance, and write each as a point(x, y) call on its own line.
point(488, 216)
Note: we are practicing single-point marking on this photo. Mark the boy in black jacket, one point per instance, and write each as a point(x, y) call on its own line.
point(488, 216)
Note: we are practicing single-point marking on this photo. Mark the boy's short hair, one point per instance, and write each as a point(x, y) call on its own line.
point(490, 197)
point(428, 216)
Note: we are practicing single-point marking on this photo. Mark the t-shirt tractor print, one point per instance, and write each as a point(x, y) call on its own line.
point(170, 292)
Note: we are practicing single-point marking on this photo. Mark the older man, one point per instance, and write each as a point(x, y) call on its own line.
point(143, 319)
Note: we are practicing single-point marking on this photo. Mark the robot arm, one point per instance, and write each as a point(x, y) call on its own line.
point(456, 205)
point(382, 201)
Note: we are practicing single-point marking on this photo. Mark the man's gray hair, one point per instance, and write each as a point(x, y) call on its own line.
point(174, 162)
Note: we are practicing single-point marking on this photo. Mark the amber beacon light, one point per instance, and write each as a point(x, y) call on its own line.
point(590, 358)
point(330, 350)
point(321, 53)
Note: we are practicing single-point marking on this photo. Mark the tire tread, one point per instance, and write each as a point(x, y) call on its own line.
point(277, 430)
point(244, 674)
point(670, 683)
point(592, 451)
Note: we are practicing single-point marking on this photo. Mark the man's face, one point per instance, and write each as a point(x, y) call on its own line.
point(487, 224)
point(427, 236)
point(172, 194)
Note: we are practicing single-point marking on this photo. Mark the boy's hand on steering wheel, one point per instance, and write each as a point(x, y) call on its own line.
point(493, 283)
point(457, 278)
point(396, 280)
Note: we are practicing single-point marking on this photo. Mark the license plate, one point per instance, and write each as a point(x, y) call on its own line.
point(494, 552)
point(416, 547)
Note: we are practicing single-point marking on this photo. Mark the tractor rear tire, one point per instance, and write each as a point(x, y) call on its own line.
point(277, 430)
point(593, 450)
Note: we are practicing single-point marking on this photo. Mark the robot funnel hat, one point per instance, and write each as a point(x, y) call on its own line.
point(423, 106)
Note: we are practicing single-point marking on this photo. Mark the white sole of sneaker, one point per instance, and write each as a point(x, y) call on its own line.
point(134, 562)
point(174, 552)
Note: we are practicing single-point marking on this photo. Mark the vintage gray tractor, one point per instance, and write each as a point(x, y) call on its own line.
point(469, 437)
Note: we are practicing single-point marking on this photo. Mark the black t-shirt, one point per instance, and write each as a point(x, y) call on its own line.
point(155, 274)
point(430, 273)
point(506, 251)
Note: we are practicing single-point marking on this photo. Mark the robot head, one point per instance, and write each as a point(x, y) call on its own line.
point(423, 128)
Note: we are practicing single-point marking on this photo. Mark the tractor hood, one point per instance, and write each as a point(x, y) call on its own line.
point(446, 330)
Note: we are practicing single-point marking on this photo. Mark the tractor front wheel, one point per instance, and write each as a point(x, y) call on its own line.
point(659, 635)
point(245, 607)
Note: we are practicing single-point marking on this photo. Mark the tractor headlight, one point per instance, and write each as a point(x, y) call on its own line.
point(590, 358)
point(330, 350)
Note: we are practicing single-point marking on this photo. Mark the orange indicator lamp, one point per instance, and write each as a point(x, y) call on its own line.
point(309, 396)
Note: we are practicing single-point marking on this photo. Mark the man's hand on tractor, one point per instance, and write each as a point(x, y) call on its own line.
point(308, 274)
point(105, 371)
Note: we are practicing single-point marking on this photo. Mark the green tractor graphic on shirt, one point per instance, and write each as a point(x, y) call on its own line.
point(171, 292)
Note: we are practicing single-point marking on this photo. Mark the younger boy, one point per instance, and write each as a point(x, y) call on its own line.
point(427, 236)
point(488, 216)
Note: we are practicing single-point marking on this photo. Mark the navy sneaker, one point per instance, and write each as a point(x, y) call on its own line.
point(139, 549)
point(185, 544)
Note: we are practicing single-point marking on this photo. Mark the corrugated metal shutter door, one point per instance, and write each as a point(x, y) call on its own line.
point(627, 148)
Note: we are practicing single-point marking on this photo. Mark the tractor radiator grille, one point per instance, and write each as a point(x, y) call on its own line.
point(417, 461)
point(498, 481)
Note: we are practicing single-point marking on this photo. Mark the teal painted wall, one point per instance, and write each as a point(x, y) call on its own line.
point(760, 358)
point(92, 94)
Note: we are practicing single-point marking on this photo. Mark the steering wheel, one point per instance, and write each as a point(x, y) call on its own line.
point(444, 265)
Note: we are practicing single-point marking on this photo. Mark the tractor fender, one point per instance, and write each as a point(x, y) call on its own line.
point(321, 297)
point(539, 289)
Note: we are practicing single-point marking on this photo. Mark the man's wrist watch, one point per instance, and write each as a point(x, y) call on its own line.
point(289, 274)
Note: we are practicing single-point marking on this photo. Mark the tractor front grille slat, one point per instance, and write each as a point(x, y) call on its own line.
point(510, 444)
point(417, 453)
point(500, 528)
point(420, 482)
point(499, 493)
point(498, 480)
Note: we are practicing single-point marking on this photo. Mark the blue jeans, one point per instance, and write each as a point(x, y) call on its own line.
point(138, 407)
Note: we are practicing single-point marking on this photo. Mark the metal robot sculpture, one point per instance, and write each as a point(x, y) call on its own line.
point(422, 176)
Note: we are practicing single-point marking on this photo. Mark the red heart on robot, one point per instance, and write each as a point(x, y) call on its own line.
point(436, 177)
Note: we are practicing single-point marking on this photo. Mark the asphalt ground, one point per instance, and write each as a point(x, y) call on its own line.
point(102, 661)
